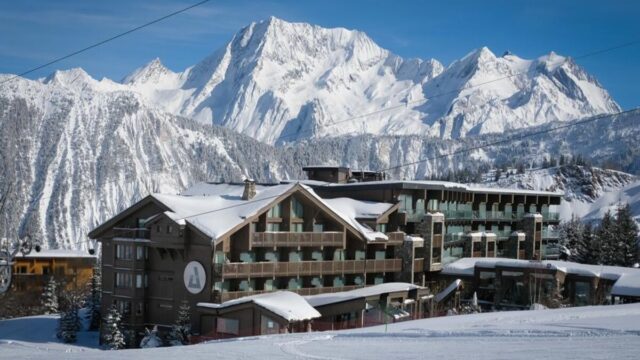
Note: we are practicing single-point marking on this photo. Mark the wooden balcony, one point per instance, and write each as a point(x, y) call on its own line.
point(418, 265)
point(297, 239)
point(309, 268)
point(395, 238)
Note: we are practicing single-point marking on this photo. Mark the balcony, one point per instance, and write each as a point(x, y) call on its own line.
point(396, 237)
point(308, 268)
point(414, 215)
point(298, 239)
point(550, 234)
point(458, 214)
point(131, 233)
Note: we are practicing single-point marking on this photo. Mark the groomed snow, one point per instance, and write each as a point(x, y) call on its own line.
point(287, 304)
point(592, 332)
point(338, 297)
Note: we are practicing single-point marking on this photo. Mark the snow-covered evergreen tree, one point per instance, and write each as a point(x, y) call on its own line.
point(627, 236)
point(591, 244)
point(606, 237)
point(95, 298)
point(571, 236)
point(69, 325)
point(151, 339)
point(50, 297)
point(113, 337)
point(181, 330)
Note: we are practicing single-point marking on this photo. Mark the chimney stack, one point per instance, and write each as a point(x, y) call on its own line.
point(249, 189)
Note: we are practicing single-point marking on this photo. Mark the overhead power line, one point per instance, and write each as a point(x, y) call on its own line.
point(104, 41)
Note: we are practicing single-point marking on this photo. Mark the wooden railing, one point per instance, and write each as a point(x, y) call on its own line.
point(418, 264)
point(307, 268)
point(296, 239)
point(396, 237)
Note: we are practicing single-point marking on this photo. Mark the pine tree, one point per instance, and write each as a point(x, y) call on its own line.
point(113, 337)
point(181, 330)
point(605, 236)
point(571, 235)
point(50, 297)
point(95, 298)
point(69, 325)
point(627, 235)
point(592, 246)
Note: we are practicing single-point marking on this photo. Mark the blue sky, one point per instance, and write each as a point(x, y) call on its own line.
point(35, 32)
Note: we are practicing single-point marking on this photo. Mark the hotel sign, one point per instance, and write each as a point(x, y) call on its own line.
point(194, 277)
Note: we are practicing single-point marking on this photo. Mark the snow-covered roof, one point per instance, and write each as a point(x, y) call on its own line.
point(627, 280)
point(215, 209)
point(286, 304)
point(448, 290)
point(375, 290)
point(627, 285)
point(351, 210)
point(448, 185)
point(57, 253)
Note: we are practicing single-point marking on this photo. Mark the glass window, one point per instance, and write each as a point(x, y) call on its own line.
point(406, 202)
point(297, 210)
point(381, 228)
point(139, 283)
point(124, 252)
point(318, 227)
point(228, 326)
point(123, 280)
point(273, 227)
point(139, 252)
point(274, 212)
point(297, 227)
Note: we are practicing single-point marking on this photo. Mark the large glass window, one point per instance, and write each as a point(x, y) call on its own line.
point(318, 227)
point(273, 227)
point(275, 212)
point(406, 202)
point(228, 326)
point(124, 280)
point(124, 252)
point(381, 228)
point(297, 227)
point(297, 210)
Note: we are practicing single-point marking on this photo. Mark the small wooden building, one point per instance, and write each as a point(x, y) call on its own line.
point(264, 314)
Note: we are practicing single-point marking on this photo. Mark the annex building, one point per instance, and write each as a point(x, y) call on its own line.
point(338, 231)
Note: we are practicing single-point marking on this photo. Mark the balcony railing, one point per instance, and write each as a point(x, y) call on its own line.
point(131, 233)
point(298, 239)
point(308, 268)
point(550, 234)
point(396, 237)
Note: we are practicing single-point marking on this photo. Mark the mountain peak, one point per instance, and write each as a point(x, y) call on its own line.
point(68, 77)
point(153, 70)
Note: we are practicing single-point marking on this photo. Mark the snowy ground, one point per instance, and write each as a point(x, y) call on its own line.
point(605, 332)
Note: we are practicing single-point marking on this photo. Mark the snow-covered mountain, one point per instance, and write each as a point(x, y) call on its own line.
point(588, 191)
point(279, 82)
point(74, 150)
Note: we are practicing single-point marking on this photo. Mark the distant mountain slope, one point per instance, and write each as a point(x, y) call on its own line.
point(279, 82)
point(589, 191)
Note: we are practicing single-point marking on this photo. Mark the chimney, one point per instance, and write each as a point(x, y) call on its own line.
point(249, 189)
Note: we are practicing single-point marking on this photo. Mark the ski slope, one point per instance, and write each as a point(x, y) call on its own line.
point(599, 332)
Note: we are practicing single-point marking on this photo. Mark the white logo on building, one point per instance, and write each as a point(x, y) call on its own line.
point(194, 277)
